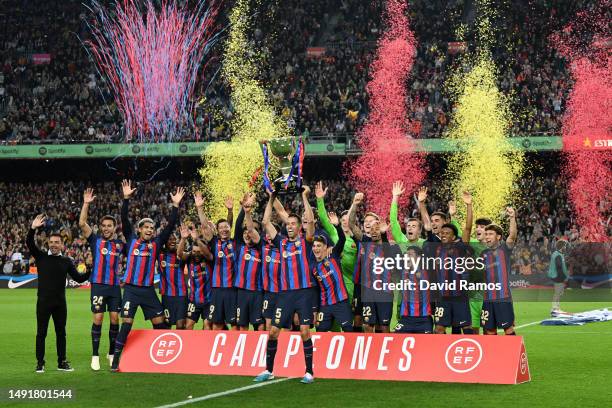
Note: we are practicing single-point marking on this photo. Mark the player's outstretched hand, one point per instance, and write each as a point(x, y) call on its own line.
point(398, 189)
point(333, 218)
point(422, 196)
point(229, 202)
point(177, 196)
point(126, 187)
point(39, 221)
point(305, 191)
point(199, 200)
point(319, 191)
point(88, 196)
point(358, 199)
point(510, 212)
point(184, 231)
point(467, 197)
point(452, 208)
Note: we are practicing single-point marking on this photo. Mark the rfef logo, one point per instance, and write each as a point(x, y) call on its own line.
point(166, 348)
point(463, 355)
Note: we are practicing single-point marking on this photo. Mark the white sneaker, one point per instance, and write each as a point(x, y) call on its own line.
point(110, 359)
point(307, 379)
point(264, 376)
point(95, 363)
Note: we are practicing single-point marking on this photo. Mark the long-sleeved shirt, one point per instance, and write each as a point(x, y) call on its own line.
point(349, 251)
point(396, 230)
point(52, 271)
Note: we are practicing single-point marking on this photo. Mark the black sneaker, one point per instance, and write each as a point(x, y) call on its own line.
point(40, 367)
point(115, 363)
point(65, 366)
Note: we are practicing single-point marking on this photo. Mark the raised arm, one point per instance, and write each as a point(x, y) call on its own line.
point(421, 198)
point(352, 217)
point(176, 201)
point(229, 204)
point(339, 246)
point(469, 218)
point(266, 221)
point(512, 234)
point(203, 247)
point(180, 250)
point(126, 225)
point(322, 212)
point(238, 231)
point(310, 222)
point(248, 217)
point(88, 198)
point(396, 229)
point(38, 222)
point(280, 210)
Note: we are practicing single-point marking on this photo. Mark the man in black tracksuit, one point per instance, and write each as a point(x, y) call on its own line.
point(52, 271)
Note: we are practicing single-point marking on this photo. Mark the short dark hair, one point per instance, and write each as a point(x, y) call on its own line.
point(452, 227)
point(221, 220)
point(56, 234)
point(483, 221)
point(144, 221)
point(415, 248)
point(440, 214)
point(494, 227)
point(321, 238)
point(371, 214)
point(294, 215)
point(109, 218)
point(343, 213)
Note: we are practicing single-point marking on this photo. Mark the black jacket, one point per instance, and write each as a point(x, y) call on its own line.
point(52, 271)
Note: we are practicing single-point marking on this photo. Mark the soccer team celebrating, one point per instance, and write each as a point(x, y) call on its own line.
point(298, 274)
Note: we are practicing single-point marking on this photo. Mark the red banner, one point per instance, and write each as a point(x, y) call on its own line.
point(38, 59)
point(402, 357)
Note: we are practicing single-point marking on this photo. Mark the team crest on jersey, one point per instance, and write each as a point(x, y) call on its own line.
point(285, 254)
point(136, 252)
point(297, 244)
point(372, 255)
point(353, 245)
point(150, 246)
point(229, 245)
point(163, 264)
point(104, 251)
point(247, 257)
point(220, 254)
point(268, 258)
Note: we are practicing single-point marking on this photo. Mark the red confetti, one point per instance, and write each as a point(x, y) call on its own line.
point(587, 121)
point(388, 152)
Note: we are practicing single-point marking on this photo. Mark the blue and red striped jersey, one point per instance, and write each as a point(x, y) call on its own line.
point(247, 274)
point(199, 281)
point(497, 269)
point(446, 270)
point(224, 253)
point(295, 273)
point(364, 274)
point(171, 274)
point(106, 255)
point(328, 274)
point(271, 269)
point(140, 267)
point(415, 302)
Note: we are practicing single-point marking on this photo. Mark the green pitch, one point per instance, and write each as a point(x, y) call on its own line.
point(570, 367)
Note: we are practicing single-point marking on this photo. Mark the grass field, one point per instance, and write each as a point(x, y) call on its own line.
point(570, 367)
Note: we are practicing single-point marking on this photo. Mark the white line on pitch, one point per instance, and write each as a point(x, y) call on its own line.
point(223, 393)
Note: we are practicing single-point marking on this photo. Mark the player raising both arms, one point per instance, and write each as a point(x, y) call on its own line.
point(223, 249)
point(413, 225)
point(247, 276)
point(142, 251)
point(497, 309)
point(296, 285)
point(106, 251)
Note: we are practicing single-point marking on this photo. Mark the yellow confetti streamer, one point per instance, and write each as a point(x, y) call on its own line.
point(488, 165)
point(229, 166)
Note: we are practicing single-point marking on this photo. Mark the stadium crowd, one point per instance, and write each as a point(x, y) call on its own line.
point(543, 218)
point(50, 91)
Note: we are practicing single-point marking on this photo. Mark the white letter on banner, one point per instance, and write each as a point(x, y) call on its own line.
point(404, 363)
point(238, 351)
point(260, 351)
point(363, 354)
point(212, 361)
point(383, 352)
point(336, 345)
point(292, 348)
